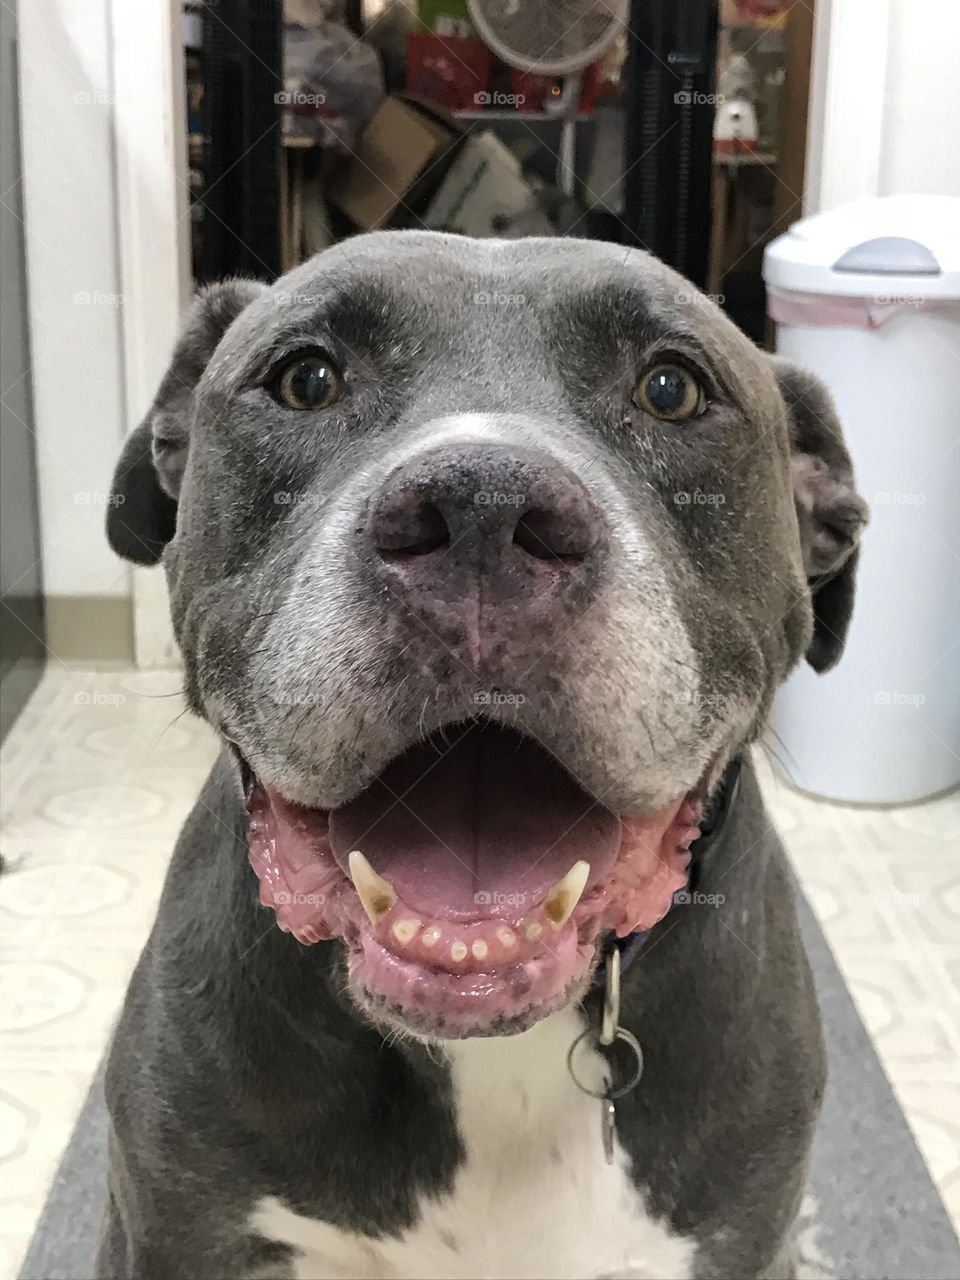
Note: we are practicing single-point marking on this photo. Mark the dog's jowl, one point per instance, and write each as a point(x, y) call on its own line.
point(487, 601)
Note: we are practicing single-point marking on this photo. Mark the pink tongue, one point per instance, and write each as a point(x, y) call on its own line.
point(481, 823)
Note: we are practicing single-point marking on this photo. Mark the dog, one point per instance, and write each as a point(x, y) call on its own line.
point(485, 560)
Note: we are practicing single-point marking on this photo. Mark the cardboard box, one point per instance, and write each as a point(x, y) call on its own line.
point(483, 191)
point(400, 160)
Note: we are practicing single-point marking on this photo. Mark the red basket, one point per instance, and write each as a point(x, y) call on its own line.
point(451, 70)
point(593, 86)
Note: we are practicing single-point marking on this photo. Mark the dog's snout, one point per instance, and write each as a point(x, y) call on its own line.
point(504, 519)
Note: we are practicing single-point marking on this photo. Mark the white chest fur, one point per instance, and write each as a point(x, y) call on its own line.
point(534, 1197)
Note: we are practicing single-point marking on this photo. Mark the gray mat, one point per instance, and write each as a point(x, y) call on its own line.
point(878, 1215)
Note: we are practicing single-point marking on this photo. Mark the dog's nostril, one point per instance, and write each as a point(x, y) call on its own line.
point(546, 536)
point(416, 532)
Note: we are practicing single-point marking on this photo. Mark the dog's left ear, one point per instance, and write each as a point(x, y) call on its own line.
point(142, 512)
point(830, 512)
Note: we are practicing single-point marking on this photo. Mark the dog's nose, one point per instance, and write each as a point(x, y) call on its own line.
point(501, 521)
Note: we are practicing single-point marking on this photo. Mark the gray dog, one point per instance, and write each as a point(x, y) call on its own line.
point(485, 561)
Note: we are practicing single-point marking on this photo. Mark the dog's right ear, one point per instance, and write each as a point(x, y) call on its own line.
point(142, 511)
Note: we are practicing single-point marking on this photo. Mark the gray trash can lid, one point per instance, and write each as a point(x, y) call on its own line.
point(893, 244)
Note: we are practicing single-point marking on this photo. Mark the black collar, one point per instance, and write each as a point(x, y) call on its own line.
point(716, 814)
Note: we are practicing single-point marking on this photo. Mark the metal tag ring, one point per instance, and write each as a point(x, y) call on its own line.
point(609, 1094)
point(611, 999)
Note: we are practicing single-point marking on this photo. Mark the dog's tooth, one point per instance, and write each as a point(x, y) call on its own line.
point(533, 930)
point(458, 950)
point(479, 949)
point(566, 893)
point(405, 930)
point(376, 894)
point(507, 937)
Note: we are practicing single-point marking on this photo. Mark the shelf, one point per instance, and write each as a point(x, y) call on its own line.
point(497, 117)
point(736, 159)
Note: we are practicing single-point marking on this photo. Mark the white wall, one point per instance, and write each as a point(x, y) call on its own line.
point(154, 238)
point(106, 208)
point(74, 291)
point(883, 112)
point(922, 103)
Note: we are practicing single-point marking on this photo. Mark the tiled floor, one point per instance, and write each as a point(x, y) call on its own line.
point(98, 775)
point(885, 885)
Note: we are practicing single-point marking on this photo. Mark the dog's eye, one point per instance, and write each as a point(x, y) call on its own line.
point(308, 382)
point(670, 392)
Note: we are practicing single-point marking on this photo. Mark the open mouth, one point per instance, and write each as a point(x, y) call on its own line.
point(471, 880)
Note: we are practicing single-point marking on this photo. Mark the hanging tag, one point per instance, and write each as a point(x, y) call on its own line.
point(608, 1128)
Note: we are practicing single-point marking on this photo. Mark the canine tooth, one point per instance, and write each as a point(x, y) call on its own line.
point(479, 949)
point(458, 950)
point(431, 936)
point(405, 930)
point(534, 930)
point(375, 893)
point(566, 893)
point(507, 936)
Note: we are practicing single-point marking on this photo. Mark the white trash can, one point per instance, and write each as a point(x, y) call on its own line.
point(867, 296)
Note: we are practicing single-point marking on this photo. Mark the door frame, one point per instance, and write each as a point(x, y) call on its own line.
point(153, 235)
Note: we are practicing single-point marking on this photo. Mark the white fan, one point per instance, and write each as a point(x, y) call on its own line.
point(552, 38)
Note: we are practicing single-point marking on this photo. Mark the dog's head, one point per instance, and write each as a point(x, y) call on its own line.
point(486, 557)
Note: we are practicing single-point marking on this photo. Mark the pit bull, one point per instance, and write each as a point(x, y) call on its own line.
point(485, 561)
